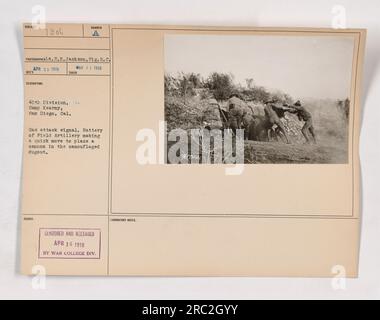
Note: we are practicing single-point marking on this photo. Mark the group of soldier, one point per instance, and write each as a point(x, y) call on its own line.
point(258, 127)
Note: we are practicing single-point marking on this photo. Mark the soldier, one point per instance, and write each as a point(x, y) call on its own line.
point(246, 123)
point(274, 119)
point(304, 115)
point(235, 112)
point(211, 116)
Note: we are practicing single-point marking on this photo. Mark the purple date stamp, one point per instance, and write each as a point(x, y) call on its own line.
point(69, 243)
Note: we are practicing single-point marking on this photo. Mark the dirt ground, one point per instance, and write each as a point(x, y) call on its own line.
point(277, 152)
point(256, 152)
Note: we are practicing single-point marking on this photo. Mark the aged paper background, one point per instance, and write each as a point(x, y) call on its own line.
point(147, 221)
point(209, 12)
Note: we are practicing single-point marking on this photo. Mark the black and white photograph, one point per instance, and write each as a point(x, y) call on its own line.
point(287, 96)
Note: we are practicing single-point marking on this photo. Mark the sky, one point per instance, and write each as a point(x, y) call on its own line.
point(302, 66)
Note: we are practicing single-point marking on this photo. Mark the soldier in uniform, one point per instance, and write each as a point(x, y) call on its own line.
point(272, 115)
point(246, 123)
point(235, 112)
point(304, 115)
point(211, 116)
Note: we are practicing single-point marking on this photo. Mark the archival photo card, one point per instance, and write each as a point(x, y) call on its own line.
point(258, 98)
point(136, 140)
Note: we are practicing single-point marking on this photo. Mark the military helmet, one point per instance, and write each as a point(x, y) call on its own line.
point(298, 103)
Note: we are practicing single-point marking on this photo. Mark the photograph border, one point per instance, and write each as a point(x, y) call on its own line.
point(353, 161)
